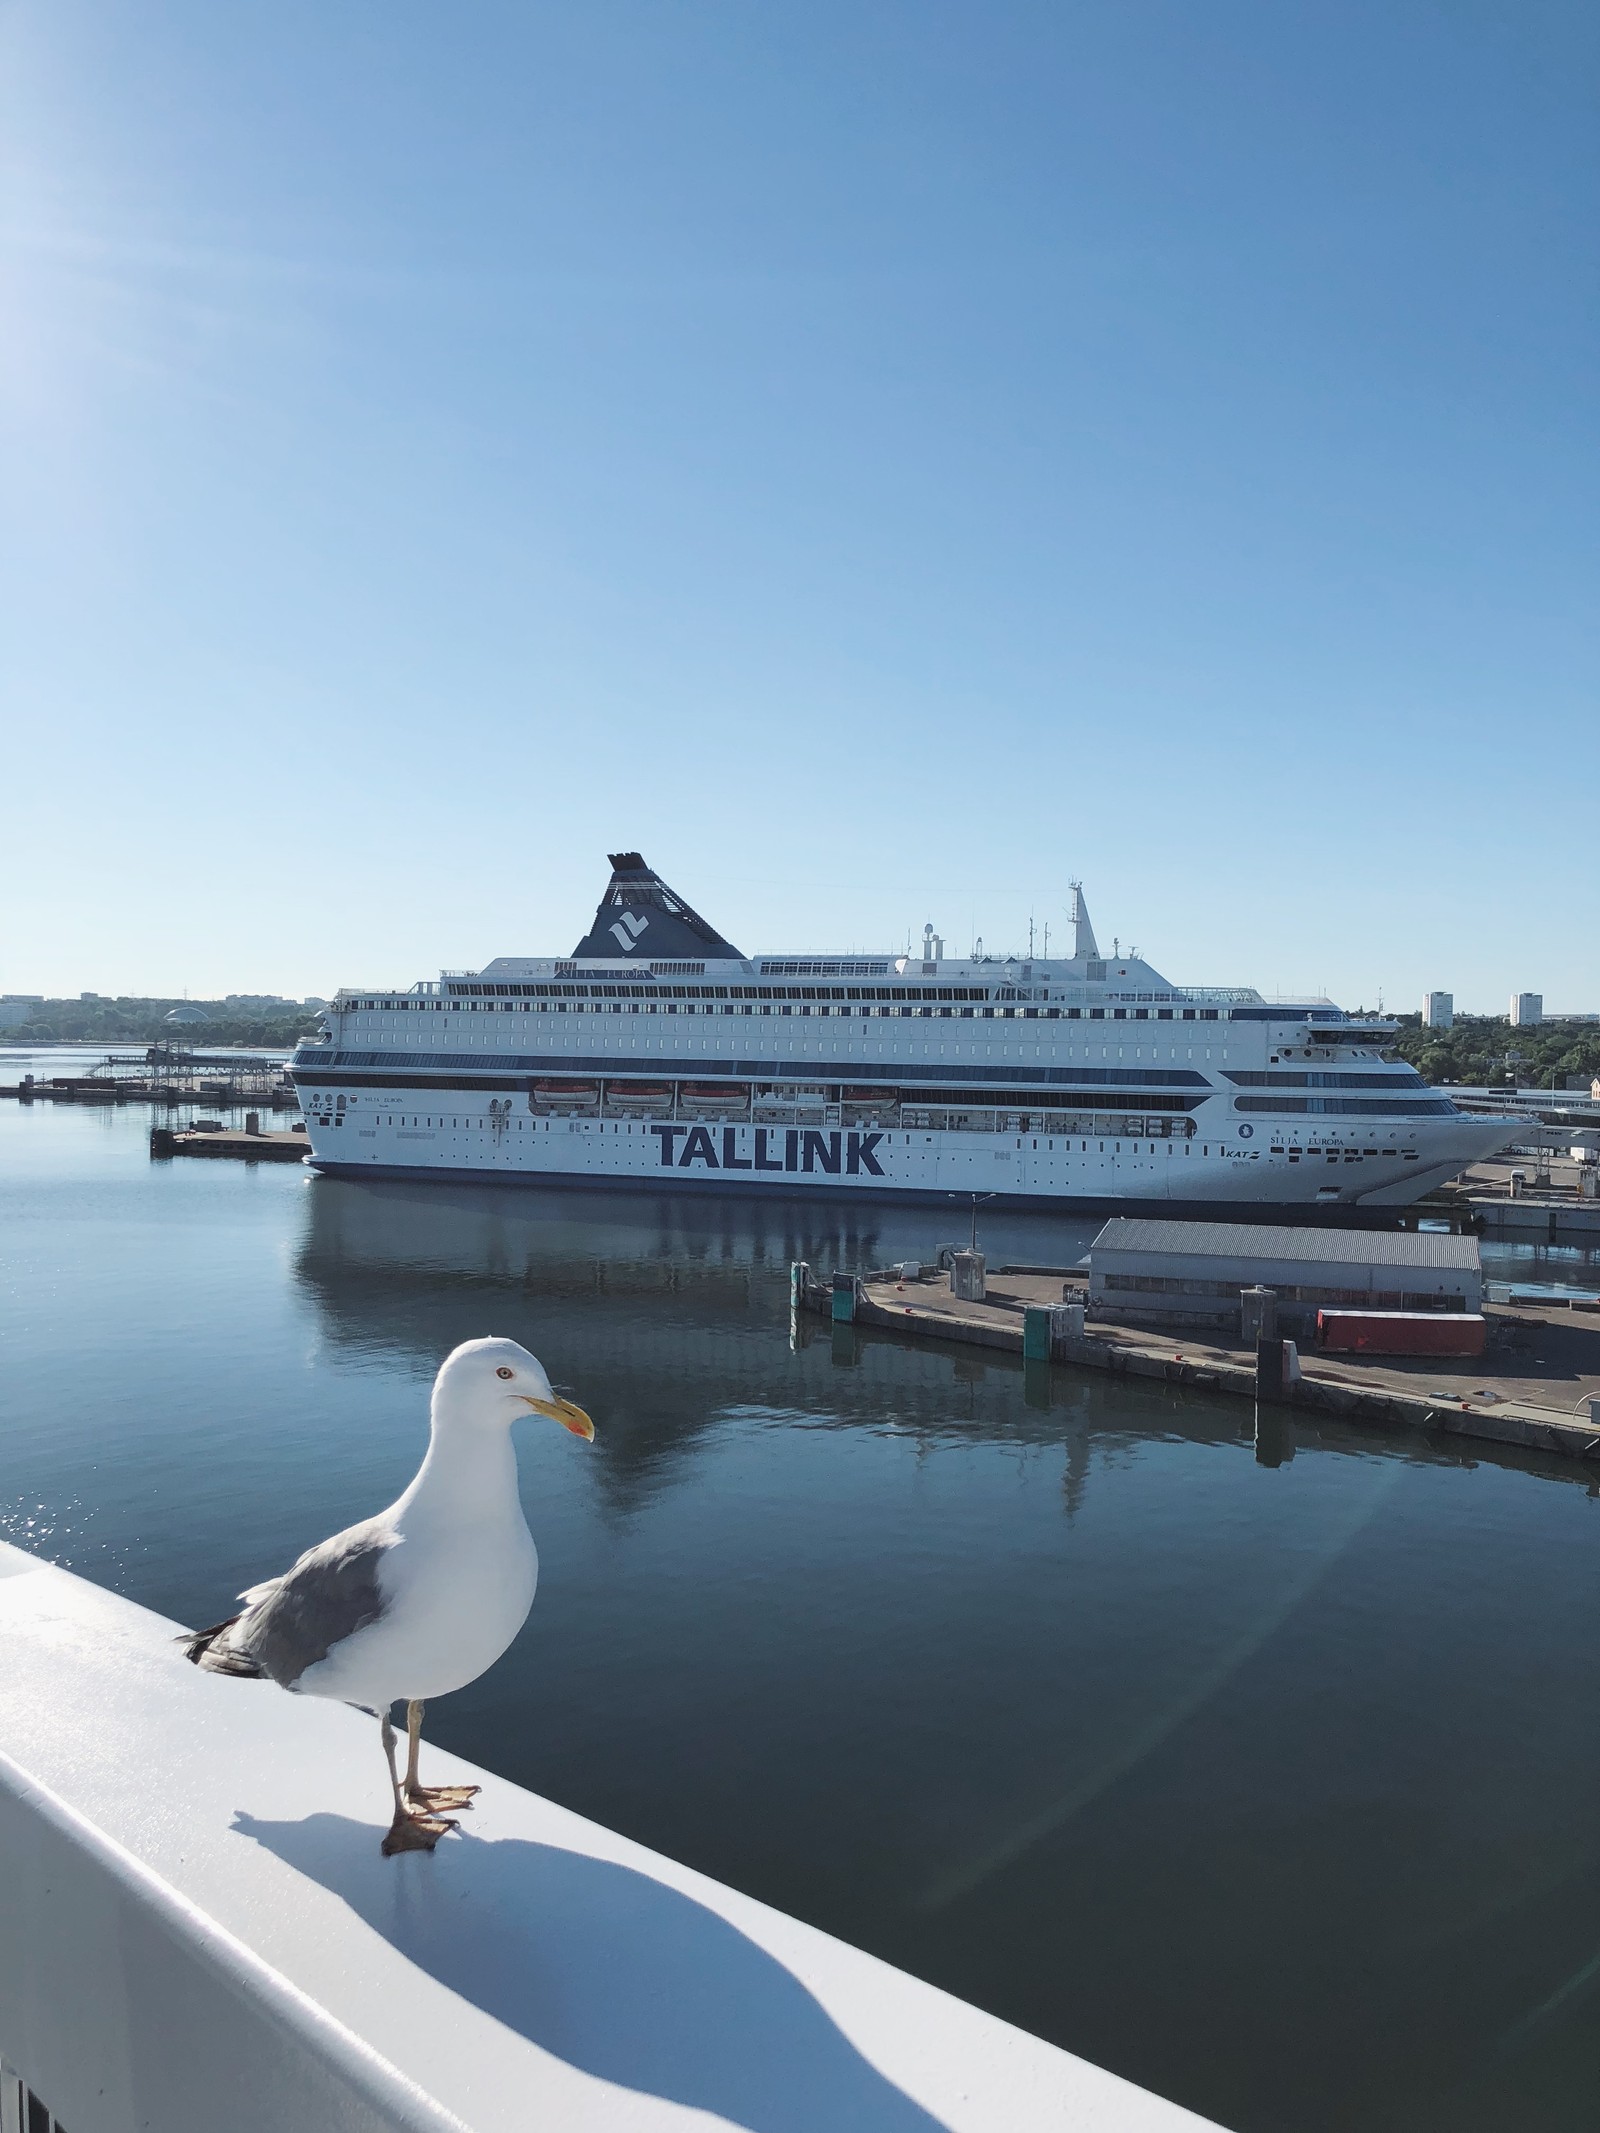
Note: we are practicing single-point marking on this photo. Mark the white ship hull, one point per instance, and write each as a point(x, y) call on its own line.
point(467, 1142)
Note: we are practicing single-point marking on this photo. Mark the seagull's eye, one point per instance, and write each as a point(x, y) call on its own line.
point(504, 1372)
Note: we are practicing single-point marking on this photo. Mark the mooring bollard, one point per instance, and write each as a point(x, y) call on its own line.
point(1269, 1368)
point(1046, 1328)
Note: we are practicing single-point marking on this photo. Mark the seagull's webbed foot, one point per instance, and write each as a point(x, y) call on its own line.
point(414, 1833)
point(439, 1799)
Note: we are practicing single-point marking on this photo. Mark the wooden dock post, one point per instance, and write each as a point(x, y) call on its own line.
point(1269, 1368)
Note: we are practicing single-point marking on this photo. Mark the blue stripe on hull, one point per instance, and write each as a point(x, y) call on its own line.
point(1294, 1213)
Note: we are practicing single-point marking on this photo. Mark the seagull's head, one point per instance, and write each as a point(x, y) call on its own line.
point(495, 1381)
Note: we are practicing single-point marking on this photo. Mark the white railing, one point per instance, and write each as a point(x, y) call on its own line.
point(201, 1936)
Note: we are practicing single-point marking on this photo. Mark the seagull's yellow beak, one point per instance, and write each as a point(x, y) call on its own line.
point(565, 1412)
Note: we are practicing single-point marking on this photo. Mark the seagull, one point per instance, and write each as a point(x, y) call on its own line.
point(421, 1599)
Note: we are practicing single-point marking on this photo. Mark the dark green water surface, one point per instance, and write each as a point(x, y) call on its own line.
point(1272, 1786)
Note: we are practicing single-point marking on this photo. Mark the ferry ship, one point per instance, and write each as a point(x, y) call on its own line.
point(656, 1054)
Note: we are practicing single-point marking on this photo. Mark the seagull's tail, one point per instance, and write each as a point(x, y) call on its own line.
point(209, 1649)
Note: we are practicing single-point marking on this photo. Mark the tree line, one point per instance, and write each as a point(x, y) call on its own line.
point(1485, 1050)
point(143, 1022)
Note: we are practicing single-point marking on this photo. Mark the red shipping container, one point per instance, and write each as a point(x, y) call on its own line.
point(1400, 1332)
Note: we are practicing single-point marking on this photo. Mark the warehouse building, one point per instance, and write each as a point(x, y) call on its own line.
point(1191, 1273)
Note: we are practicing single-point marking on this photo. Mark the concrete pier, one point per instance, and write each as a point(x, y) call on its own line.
point(257, 1147)
point(1532, 1389)
point(1543, 1198)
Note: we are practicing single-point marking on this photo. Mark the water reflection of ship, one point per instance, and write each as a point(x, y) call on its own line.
point(560, 1244)
point(665, 1318)
point(670, 1319)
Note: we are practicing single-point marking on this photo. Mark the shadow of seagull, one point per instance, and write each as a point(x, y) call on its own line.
point(609, 1970)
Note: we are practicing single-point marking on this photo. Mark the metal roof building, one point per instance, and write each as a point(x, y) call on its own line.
point(1191, 1273)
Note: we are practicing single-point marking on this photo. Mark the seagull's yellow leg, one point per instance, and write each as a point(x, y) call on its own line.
point(428, 1798)
point(409, 1831)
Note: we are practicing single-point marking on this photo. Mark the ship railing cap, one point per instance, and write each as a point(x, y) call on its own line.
point(538, 1969)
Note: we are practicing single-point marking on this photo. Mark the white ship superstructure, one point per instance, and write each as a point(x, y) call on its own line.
point(657, 1054)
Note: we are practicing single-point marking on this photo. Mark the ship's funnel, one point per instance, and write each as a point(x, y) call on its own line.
point(639, 916)
point(1083, 931)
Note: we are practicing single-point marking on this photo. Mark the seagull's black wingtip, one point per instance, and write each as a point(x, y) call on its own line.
point(200, 1646)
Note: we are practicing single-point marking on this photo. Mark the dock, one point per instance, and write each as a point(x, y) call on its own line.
point(1540, 1198)
point(1533, 1388)
point(164, 1077)
point(248, 1147)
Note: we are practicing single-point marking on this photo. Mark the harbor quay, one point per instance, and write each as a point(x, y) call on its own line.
point(1523, 1372)
point(164, 1078)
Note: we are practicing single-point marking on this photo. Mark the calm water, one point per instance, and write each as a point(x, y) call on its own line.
point(1270, 1786)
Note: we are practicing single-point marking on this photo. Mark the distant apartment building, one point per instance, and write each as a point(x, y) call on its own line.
point(17, 1008)
point(1438, 1010)
point(1527, 1010)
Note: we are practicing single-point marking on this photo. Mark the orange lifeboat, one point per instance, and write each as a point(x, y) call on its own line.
point(567, 1095)
point(638, 1095)
point(714, 1096)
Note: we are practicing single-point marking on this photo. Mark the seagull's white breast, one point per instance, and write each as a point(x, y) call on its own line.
point(456, 1587)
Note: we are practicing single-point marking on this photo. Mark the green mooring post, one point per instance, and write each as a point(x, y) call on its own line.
point(844, 1299)
point(1036, 1334)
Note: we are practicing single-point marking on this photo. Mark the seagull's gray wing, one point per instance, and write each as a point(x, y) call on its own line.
point(329, 1594)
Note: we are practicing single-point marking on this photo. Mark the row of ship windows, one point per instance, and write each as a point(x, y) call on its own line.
point(502, 1125)
point(1168, 1130)
point(672, 1007)
point(738, 992)
point(499, 990)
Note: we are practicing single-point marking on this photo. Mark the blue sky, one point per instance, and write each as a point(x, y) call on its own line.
point(881, 461)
